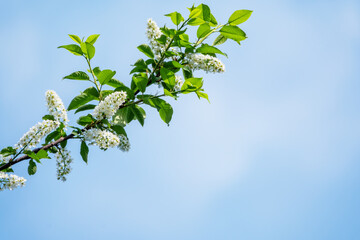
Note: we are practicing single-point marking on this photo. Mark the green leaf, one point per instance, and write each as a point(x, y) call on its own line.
point(7, 151)
point(85, 108)
point(165, 110)
point(85, 120)
point(194, 13)
point(88, 49)
point(105, 76)
point(115, 83)
point(54, 135)
point(84, 151)
point(75, 38)
point(48, 117)
point(207, 49)
point(82, 99)
point(187, 72)
point(176, 17)
point(203, 30)
point(79, 75)
point(234, 33)
point(205, 12)
point(92, 38)
point(144, 48)
point(138, 114)
point(239, 16)
point(96, 70)
point(202, 95)
point(141, 82)
point(118, 129)
point(196, 22)
point(123, 116)
point(213, 21)
point(219, 40)
point(32, 167)
point(42, 154)
point(73, 48)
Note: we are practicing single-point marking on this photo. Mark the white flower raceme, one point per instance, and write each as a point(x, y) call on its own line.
point(207, 63)
point(56, 106)
point(36, 133)
point(102, 138)
point(153, 32)
point(108, 107)
point(63, 161)
point(124, 143)
point(178, 83)
point(4, 159)
point(10, 181)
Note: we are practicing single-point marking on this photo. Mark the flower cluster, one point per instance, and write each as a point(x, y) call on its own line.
point(63, 161)
point(102, 138)
point(124, 143)
point(108, 107)
point(36, 133)
point(10, 181)
point(178, 83)
point(56, 106)
point(153, 32)
point(207, 63)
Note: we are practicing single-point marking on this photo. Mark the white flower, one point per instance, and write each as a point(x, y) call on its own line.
point(178, 83)
point(10, 181)
point(4, 159)
point(36, 133)
point(63, 161)
point(207, 63)
point(108, 107)
point(124, 143)
point(102, 138)
point(56, 106)
point(153, 32)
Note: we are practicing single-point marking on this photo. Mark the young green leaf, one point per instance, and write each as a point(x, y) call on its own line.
point(138, 114)
point(85, 108)
point(81, 99)
point(88, 49)
point(239, 16)
point(204, 12)
point(176, 17)
point(207, 49)
point(73, 48)
point(84, 151)
point(234, 33)
point(219, 40)
point(105, 76)
point(32, 167)
point(75, 38)
point(140, 82)
point(144, 48)
point(79, 75)
point(203, 30)
point(118, 129)
point(48, 117)
point(202, 95)
point(92, 39)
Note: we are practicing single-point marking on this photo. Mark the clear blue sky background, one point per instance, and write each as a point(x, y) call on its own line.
point(274, 156)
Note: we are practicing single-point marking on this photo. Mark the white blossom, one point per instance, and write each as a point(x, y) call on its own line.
point(178, 83)
point(102, 138)
point(207, 63)
point(63, 161)
point(108, 107)
point(124, 143)
point(36, 133)
point(10, 181)
point(153, 32)
point(56, 106)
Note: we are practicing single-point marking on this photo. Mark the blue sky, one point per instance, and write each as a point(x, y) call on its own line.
point(274, 156)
